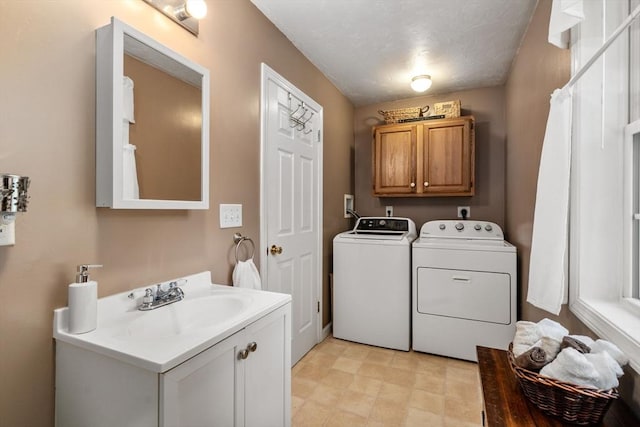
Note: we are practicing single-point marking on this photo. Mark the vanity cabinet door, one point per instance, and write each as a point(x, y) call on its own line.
point(202, 391)
point(267, 369)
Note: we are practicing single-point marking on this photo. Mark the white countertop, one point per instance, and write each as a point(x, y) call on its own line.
point(121, 326)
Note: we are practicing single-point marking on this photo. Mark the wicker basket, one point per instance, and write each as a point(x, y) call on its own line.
point(571, 403)
point(393, 116)
point(450, 109)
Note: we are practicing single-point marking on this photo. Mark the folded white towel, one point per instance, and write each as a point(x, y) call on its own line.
point(553, 329)
point(527, 334)
point(588, 341)
point(605, 346)
point(127, 99)
point(246, 275)
point(550, 346)
point(608, 370)
point(571, 366)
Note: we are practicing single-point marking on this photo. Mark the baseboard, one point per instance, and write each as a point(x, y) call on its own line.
point(326, 331)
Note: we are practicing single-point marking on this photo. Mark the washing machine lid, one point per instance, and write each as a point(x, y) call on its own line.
point(465, 234)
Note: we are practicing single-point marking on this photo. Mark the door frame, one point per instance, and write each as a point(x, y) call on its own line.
point(266, 74)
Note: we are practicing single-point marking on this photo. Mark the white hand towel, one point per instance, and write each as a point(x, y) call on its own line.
point(553, 329)
point(127, 99)
point(246, 275)
point(572, 367)
point(608, 370)
point(527, 334)
point(547, 263)
point(601, 346)
point(130, 188)
point(564, 15)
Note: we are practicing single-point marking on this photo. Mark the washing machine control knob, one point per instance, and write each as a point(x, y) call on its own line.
point(459, 226)
point(477, 227)
point(442, 226)
point(488, 227)
point(382, 222)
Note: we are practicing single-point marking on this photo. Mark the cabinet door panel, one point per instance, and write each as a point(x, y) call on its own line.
point(268, 372)
point(201, 391)
point(394, 160)
point(447, 159)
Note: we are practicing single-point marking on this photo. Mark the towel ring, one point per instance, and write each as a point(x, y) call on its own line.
point(239, 240)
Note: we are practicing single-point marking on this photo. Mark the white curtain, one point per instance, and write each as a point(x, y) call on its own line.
point(547, 268)
point(130, 189)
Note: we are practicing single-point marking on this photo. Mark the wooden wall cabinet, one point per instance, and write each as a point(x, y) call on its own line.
point(429, 158)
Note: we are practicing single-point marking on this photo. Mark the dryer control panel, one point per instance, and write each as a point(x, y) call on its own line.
point(468, 229)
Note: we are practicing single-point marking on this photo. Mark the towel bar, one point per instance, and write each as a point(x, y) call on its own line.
point(239, 239)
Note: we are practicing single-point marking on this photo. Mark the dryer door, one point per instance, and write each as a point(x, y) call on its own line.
point(471, 295)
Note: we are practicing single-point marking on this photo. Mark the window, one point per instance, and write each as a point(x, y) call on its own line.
point(605, 183)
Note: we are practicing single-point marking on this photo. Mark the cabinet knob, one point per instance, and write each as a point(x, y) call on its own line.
point(412, 185)
point(426, 184)
point(253, 346)
point(243, 354)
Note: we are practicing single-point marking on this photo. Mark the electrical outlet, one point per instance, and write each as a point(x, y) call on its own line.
point(230, 216)
point(348, 205)
point(464, 208)
point(388, 210)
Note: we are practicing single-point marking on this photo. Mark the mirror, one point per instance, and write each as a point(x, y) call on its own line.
point(152, 124)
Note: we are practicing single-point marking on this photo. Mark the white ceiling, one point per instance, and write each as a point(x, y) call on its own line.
point(370, 49)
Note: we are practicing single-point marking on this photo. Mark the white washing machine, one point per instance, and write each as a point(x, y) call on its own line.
point(372, 282)
point(464, 288)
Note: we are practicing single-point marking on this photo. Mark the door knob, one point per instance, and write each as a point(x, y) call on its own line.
point(426, 184)
point(243, 354)
point(412, 185)
point(253, 346)
point(275, 250)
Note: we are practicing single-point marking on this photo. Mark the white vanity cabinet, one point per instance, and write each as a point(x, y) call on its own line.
point(241, 381)
point(219, 386)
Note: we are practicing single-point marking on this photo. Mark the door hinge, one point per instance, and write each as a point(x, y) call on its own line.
point(318, 306)
point(318, 135)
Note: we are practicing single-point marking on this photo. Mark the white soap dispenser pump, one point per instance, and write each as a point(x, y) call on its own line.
point(83, 302)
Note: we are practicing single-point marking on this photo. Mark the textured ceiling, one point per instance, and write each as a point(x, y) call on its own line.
point(370, 49)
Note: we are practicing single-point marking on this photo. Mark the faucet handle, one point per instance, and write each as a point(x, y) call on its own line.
point(148, 296)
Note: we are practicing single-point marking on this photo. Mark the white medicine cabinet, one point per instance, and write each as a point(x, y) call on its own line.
point(152, 124)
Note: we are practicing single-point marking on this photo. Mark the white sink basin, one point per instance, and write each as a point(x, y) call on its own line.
point(188, 316)
point(160, 339)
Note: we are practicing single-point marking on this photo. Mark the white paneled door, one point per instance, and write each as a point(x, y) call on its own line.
point(291, 205)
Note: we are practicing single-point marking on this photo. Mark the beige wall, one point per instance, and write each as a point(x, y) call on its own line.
point(538, 69)
point(487, 106)
point(47, 117)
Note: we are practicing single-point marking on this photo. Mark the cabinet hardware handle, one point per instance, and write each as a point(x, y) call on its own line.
point(412, 185)
point(253, 346)
point(426, 184)
point(275, 250)
point(243, 354)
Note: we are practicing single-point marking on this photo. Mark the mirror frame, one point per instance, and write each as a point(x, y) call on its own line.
point(110, 50)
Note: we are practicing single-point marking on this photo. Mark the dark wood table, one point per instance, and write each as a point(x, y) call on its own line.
point(506, 405)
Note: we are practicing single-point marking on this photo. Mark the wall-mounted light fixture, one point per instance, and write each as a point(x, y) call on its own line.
point(421, 83)
point(185, 13)
point(13, 198)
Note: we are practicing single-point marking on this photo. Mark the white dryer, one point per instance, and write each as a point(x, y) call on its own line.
point(463, 288)
point(372, 282)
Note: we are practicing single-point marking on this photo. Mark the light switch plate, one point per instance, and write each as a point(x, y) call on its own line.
point(230, 216)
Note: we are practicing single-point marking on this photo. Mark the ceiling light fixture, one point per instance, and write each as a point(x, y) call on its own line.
point(421, 83)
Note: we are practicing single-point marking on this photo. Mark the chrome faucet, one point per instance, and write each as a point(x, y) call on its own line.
point(160, 297)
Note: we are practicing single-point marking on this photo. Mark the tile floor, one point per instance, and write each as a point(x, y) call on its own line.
point(340, 383)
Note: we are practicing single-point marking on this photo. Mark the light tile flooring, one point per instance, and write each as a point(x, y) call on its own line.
point(340, 383)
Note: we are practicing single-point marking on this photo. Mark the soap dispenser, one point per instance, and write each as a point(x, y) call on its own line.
point(83, 302)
